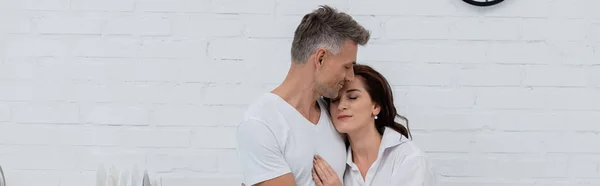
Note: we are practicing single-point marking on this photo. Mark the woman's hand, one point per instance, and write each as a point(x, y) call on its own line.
point(323, 174)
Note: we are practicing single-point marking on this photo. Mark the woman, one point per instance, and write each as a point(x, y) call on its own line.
point(380, 151)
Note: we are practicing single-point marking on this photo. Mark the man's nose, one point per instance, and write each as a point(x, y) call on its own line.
point(350, 76)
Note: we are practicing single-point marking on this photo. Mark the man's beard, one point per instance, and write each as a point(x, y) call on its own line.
point(326, 91)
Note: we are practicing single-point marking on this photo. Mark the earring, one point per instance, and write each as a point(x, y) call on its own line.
point(375, 117)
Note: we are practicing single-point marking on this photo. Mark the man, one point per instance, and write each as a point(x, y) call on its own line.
point(283, 130)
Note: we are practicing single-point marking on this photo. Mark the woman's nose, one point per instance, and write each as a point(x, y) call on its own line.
point(342, 105)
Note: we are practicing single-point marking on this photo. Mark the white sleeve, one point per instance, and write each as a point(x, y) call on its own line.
point(414, 171)
point(260, 154)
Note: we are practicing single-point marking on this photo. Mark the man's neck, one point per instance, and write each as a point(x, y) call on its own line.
point(365, 145)
point(298, 89)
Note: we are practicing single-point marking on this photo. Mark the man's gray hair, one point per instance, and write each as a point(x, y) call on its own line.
point(326, 28)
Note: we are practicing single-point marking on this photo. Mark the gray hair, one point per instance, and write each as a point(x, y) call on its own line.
point(326, 28)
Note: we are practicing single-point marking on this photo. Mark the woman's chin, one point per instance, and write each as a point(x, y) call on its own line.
point(343, 127)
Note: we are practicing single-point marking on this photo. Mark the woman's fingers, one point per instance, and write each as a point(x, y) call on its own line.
point(320, 169)
point(325, 166)
point(331, 177)
point(316, 178)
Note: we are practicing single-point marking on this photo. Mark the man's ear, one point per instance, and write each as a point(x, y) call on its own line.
point(320, 56)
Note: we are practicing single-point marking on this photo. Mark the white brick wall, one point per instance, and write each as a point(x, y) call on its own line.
point(498, 96)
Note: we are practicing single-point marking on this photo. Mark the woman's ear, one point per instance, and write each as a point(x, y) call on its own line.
point(376, 109)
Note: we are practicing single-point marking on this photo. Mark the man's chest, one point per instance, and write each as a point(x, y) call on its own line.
point(300, 148)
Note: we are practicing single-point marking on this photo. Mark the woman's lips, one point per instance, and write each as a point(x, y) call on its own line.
point(341, 117)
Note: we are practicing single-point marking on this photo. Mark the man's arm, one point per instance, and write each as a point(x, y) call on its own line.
point(261, 157)
point(285, 180)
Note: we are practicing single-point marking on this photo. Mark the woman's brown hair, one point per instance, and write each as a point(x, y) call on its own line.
point(381, 93)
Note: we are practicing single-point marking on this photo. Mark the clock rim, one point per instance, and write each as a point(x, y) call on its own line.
point(478, 3)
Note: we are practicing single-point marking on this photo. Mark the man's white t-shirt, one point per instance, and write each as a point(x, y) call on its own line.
point(274, 139)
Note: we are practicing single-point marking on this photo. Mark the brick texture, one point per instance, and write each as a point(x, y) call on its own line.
point(503, 95)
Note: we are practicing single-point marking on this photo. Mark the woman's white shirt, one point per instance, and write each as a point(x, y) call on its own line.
point(399, 162)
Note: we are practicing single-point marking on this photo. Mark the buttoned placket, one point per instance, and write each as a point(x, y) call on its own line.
point(373, 168)
point(370, 172)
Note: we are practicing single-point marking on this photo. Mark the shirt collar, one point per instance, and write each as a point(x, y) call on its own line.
point(390, 139)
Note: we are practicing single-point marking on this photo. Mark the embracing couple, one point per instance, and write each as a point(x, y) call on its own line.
point(331, 121)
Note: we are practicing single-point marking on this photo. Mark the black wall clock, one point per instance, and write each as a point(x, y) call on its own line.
point(483, 2)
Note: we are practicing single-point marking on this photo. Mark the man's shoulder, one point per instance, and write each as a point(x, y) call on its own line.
point(260, 108)
point(264, 111)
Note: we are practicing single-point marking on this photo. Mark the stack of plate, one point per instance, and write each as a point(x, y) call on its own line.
point(112, 177)
point(2, 180)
